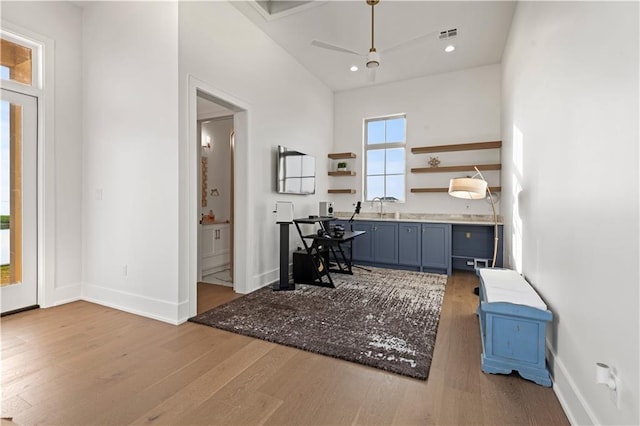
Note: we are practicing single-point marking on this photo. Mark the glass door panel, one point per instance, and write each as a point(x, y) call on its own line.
point(18, 177)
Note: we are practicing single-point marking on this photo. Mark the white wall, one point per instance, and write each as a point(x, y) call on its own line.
point(130, 128)
point(451, 108)
point(570, 159)
point(218, 167)
point(61, 23)
point(285, 105)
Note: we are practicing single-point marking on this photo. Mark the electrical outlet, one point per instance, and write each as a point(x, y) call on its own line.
point(124, 270)
point(99, 194)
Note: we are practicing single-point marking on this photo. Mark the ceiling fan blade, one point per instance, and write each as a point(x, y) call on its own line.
point(329, 46)
point(410, 42)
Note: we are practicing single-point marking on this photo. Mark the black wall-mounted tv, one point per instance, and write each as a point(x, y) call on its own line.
point(296, 172)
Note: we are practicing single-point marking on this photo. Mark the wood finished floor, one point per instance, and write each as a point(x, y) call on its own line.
point(83, 364)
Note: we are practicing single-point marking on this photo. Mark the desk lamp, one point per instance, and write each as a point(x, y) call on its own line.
point(471, 188)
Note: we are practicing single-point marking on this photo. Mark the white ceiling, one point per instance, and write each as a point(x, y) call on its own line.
point(482, 33)
point(209, 109)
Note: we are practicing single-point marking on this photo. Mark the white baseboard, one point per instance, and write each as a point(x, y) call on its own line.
point(66, 294)
point(262, 280)
point(573, 403)
point(157, 309)
point(161, 310)
point(183, 312)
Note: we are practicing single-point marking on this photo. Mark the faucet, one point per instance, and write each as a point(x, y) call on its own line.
point(381, 205)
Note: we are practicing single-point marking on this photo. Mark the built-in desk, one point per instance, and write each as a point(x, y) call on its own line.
point(426, 243)
point(320, 242)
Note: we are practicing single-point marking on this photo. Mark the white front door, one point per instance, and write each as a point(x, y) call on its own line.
point(18, 196)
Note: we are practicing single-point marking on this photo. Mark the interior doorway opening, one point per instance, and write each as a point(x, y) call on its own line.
point(240, 226)
point(215, 134)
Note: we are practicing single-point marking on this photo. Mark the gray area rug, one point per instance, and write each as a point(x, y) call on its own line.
point(385, 318)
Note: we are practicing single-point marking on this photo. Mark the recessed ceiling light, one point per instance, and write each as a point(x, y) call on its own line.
point(353, 68)
point(450, 48)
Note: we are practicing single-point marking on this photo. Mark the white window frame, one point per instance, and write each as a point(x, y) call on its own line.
point(386, 145)
point(37, 82)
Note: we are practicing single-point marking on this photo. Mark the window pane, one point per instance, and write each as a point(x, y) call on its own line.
point(5, 198)
point(11, 194)
point(395, 187)
point(375, 132)
point(395, 130)
point(375, 187)
point(17, 61)
point(385, 166)
point(375, 162)
point(395, 161)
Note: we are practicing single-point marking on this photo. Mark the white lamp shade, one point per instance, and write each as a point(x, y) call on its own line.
point(468, 188)
point(373, 59)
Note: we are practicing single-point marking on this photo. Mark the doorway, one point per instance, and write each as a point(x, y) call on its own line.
point(18, 193)
point(215, 132)
point(242, 228)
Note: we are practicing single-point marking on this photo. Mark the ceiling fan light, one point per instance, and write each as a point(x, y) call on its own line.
point(373, 59)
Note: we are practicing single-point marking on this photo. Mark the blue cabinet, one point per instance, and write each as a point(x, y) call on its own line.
point(433, 247)
point(409, 244)
point(436, 247)
point(385, 242)
point(474, 242)
point(363, 245)
point(378, 245)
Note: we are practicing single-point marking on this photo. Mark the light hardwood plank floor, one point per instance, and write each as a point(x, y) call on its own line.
point(84, 364)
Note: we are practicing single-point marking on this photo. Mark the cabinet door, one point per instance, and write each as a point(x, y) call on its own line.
point(436, 245)
point(207, 241)
point(363, 245)
point(385, 242)
point(409, 244)
point(223, 238)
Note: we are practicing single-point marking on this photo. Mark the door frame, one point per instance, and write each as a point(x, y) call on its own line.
point(242, 193)
point(44, 90)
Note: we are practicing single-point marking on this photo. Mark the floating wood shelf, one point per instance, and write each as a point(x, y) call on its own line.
point(341, 191)
point(458, 147)
point(456, 168)
point(342, 173)
point(341, 155)
point(492, 188)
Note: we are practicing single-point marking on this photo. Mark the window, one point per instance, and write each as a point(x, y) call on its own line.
point(16, 63)
point(384, 148)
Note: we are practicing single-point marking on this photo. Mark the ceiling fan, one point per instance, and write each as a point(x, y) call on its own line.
point(373, 57)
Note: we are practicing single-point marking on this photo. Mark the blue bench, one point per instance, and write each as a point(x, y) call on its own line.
point(512, 325)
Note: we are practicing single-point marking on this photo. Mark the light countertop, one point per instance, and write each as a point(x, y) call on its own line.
point(471, 219)
point(206, 222)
